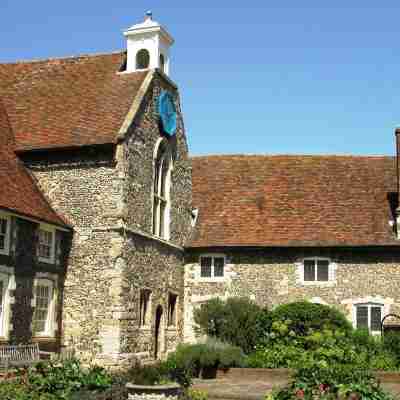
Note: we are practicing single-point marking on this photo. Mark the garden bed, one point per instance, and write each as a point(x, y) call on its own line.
point(286, 374)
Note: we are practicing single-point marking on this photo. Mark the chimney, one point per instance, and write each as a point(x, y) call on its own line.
point(397, 133)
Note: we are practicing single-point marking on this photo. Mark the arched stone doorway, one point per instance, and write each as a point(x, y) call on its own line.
point(159, 333)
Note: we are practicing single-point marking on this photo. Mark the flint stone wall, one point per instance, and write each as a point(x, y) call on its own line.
point(139, 151)
point(84, 187)
point(159, 268)
point(271, 277)
point(151, 263)
point(106, 194)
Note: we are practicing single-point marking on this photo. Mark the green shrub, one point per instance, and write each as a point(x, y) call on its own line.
point(323, 380)
point(189, 361)
point(238, 321)
point(276, 356)
point(302, 317)
point(384, 361)
point(197, 395)
point(211, 318)
point(148, 375)
point(51, 381)
point(181, 365)
point(391, 343)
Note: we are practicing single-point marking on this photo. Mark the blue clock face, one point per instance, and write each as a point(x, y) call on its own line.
point(167, 111)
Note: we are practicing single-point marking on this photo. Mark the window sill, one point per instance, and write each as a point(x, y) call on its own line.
point(318, 283)
point(171, 328)
point(5, 252)
point(46, 260)
point(145, 328)
point(44, 338)
point(212, 280)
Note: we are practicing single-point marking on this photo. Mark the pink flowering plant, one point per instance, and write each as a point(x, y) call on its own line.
point(331, 382)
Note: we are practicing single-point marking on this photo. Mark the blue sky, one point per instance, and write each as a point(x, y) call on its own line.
point(254, 76)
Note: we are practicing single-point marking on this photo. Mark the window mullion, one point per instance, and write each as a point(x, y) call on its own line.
point(369, 317)
point(315, 270)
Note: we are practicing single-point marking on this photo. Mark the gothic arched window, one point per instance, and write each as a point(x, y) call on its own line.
point(142, 59)
point(162, 186)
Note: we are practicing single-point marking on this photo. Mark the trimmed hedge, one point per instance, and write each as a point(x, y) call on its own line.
point(303, 316)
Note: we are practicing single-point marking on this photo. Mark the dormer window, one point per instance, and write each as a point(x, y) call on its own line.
point(142, 59)
point(4, 234)
point(162, 186)
point(46, 244)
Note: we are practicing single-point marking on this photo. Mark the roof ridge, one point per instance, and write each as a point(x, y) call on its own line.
point(62, 58)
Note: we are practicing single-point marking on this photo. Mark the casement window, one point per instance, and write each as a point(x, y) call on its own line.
point(43, 316)
point(212, 266)
point(369, 316)
point(172, 300)
point(4, 234)
point(161, 190)
point(145, 308)
point(46, 244)
point(316, 270)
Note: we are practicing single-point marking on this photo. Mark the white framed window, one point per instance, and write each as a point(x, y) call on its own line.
point(43, 321)
point(5, 302)
point(145, 308)
point(316, 270)
point(368, 316)
point(161, 190)
point(46, 244)
point(212, 266)
point(172, 305)
point(4, 234)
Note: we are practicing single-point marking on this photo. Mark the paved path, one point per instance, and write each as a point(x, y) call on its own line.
point(225, 389)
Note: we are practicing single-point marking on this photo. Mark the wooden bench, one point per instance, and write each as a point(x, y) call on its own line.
point(19, 356)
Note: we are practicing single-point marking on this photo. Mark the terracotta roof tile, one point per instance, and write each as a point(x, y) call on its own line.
point(67, 102)
point(19, 192)
point(294, 200)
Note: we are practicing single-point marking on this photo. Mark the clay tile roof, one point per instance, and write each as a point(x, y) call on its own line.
point(294, 200)
point(67, 102)
point(19, 192)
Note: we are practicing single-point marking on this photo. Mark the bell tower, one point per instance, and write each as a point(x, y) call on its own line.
point(148, 46)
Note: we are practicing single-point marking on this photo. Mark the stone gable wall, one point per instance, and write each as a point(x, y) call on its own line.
point(270, 277)
point(150, 263)
point(139, 149)
point(106, 194)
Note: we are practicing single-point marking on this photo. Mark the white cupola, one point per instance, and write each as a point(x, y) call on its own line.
point(148, 46)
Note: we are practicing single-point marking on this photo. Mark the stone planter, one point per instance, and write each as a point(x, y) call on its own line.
point(155, 392)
